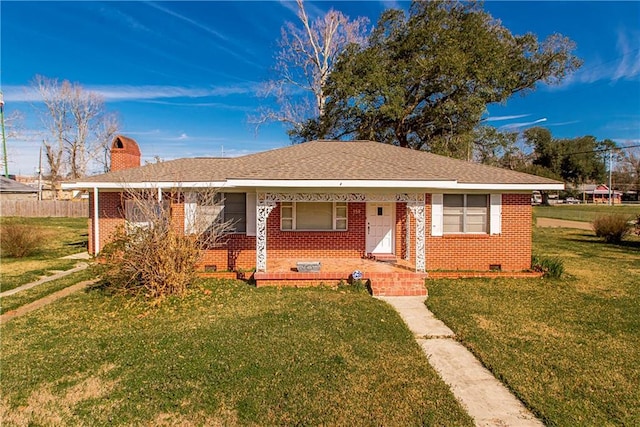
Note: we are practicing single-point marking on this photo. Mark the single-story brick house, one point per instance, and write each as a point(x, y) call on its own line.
point(338, 200)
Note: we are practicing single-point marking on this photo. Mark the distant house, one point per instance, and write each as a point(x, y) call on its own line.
point(13, 190)
point(599, 194)
point(338, 202)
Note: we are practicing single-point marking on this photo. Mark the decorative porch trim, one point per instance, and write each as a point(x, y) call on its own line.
point(263, 209)
point(418, 212)
point(342, 197)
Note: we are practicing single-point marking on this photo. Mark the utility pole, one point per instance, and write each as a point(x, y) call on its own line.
point(40, 175)
point(610, 168)
point(4, 141)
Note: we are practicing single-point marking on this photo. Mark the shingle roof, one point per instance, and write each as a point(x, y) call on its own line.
point(324, 160)
point(10, 186)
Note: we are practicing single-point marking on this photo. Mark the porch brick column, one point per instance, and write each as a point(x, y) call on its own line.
point(417, 210)
point(263, 209)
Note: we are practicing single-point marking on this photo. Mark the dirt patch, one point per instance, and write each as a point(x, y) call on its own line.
point(45, 407)
point(564, 223)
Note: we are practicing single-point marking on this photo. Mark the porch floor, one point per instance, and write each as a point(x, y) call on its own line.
point(385, 278)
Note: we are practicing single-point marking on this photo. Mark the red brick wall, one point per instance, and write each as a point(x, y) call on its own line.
point(326, 244)
point(110, 214)
point(511, 249)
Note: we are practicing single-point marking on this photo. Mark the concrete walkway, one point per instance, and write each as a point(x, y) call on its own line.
point(485, 398)
point(44, 301)
point(46, 279)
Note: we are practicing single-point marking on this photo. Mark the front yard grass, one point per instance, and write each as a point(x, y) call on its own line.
point(63, 236)
point(27, 296)
point(568, 348)
point(586, 213)
point(226, 354)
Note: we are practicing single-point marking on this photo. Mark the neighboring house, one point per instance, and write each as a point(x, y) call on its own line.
point(599, 194)
point(13, 190)
point(338, 200)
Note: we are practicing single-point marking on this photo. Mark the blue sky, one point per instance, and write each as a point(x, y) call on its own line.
point(183, 76)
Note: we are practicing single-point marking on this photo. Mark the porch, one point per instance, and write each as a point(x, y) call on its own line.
point(389, 277)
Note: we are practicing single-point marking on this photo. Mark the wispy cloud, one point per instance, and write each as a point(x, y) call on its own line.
point(628, 45)
point(137, 93)
point(502, 118)
point(571, 122)
point(188, 20)
point(516, 126)
point(237, 50)
point(313, 11)
point(625, 66)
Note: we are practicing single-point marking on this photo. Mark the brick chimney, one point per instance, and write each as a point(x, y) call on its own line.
point(125, 153)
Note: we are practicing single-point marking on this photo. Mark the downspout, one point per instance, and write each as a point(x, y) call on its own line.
point(96, 224)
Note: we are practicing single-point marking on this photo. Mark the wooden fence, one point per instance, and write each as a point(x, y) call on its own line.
point(45, 208)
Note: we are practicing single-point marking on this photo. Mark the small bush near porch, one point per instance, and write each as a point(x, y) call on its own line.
point(225, 354)
point(568, 348)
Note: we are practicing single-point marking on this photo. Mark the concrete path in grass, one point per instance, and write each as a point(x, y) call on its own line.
point(485, 398)
point(27, 308)
point(46, 279)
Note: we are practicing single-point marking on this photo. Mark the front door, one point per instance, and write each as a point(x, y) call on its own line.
point(380, 221)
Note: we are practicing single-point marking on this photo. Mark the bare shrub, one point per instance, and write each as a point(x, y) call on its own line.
point(20, 240)
point(613, 228)
point(154, 256)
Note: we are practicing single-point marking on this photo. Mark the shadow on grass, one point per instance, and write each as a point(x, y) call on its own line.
point(625, 244)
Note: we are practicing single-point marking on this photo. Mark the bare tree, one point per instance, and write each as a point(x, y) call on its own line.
point(79, 127)
point(306, 56)
point(153, 255)
point(631, 166)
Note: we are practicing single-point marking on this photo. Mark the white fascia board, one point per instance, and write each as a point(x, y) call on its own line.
point(337, 184)
point(510, 187)
point(141, 185)
point(315, 184)
point(422, 185)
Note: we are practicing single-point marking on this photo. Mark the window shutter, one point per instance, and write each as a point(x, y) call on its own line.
point(190, 214)
point(251, 214)
point(436, 214)
point(495, 224)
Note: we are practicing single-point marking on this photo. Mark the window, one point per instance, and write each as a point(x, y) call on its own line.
point(144, 213)
point(235, 211)
point(313, 216)
point(465, 213)
point(201, 212)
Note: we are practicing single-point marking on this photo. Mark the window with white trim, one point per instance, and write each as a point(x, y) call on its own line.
point(141, 213)
point(235, 211)
point(313, 216)
point(203, 211)
point(465, 213)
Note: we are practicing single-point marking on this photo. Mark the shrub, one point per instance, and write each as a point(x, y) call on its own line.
point(613, 228)
point(549, 267)
point(153, 258)
point(20, 240)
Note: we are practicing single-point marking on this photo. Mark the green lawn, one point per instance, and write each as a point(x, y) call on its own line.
point(568, 348)
point(27, 296)
point(227, 354)
point(62, 236)
point(585, 213)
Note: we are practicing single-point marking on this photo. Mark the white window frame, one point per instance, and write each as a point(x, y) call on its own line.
point(487, 215)
point(334, 217)
point(191, 208)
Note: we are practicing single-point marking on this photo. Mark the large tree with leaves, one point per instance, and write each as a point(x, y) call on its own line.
point(577, 160)
point(424, 79)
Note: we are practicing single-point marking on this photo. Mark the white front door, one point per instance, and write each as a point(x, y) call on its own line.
point(380, 221)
